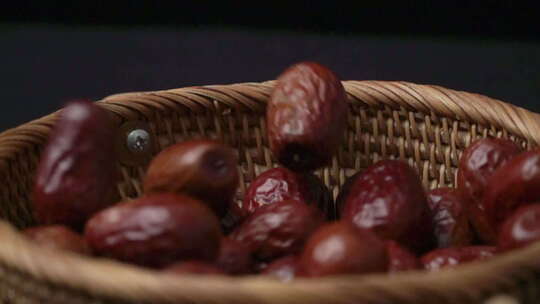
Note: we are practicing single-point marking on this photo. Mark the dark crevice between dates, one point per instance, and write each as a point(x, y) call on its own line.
point(299, 158)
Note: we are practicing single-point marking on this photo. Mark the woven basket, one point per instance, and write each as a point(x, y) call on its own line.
point(428, 126)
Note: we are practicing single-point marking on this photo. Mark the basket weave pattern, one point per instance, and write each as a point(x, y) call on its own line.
point(428, 126)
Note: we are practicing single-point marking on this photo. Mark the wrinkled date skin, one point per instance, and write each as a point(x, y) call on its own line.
point(234, 257)
point(514, 184)
point(342, 248)
point(448, 257)
point(279, 184)
point(520, 229)
point(450, 220)
point(77, 173)
point(306, 116)
point(278, 229)
point(283, 269)
point(58, 237)
point(389, 199)
point(478, 162)
point(193, 267)
point(204, 169)
point(155, 230)
point(400, 259)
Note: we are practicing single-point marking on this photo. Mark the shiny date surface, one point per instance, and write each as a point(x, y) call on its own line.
point(155, 230)
point(204, 169)
point(450, 219)
point(283, 269)
point(512, 185)
point(279, 184)
point(342, 248)
point(478, 162)
point(77, 172)
point(306, 116)
point(450, 257)
point(389, 199)
point(521, 229)
point(278, 229)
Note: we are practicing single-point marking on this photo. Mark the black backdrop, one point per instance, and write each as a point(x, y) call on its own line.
point(52, 51)
point(499, 19)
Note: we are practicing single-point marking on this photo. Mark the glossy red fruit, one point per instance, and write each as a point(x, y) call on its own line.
point(77, 172)
point(283, 269)
point(278, 229)
point(194, 267)
point(204, 169)
point(342, 248)
point(306, 116)
point(450, 219)
point(155, 230)
point(521, 229)
point(400, 259)
point(279, 184)
point(58, 237)
point(478, 162)
point(514, 184)
point(234, 257)
point(389, 199)
point(448, 257)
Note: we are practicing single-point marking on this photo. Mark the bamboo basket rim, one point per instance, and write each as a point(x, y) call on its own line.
point(117, 280)
point(416, 97)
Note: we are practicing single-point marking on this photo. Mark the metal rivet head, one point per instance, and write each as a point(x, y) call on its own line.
point(138, 141)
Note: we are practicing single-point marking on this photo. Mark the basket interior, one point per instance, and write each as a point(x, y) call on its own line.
point(430, 143)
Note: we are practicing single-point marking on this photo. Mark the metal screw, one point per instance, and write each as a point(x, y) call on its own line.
point(138, 140)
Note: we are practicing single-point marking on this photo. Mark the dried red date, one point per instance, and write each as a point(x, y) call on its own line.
point(76, 176)
point(155, 230)
point(193, 267)
point(342, 248)
point(400, 259)
point(520, 229)
point(514, 184)
point(448, 257)
point(389, 199)
point(234, 257)
point(279, 184)
point(283, 269)
point(450, 219)
point(204, 169)
point(58, 237)
point(278, 229)
point(306, 116)
point(478, 162)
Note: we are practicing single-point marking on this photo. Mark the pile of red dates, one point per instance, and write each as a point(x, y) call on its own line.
point(287, 225)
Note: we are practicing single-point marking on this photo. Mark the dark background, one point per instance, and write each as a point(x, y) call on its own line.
point(52, 51)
